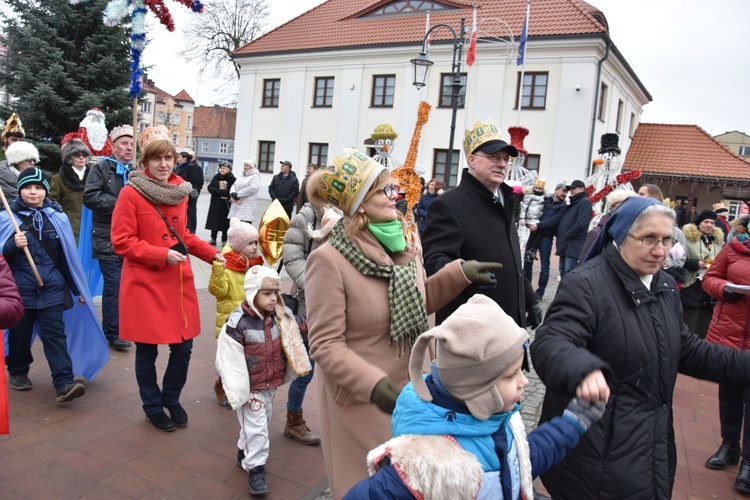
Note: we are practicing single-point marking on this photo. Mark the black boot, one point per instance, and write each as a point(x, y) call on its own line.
point(729, 453)
point(256, 480)
point(742, 482)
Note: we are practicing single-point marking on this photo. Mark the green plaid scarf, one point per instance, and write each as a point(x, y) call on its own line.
point(406, 304)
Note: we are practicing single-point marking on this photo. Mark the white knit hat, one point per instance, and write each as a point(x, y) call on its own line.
point(240, 234)
point(475, 346)
point(20, 151)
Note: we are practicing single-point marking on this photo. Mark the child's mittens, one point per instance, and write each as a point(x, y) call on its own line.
point(584, 412)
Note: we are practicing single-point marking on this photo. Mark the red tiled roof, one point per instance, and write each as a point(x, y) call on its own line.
point(161, 95)
point(338, 23)
point(214, 122)
point(182, 95)
point(685, 150)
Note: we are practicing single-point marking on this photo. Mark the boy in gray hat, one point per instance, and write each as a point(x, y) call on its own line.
point(457, 431)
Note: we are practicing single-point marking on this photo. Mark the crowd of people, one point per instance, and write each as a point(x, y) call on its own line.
point(405, 410)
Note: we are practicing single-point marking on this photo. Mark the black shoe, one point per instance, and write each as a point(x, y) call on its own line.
point(19, 382)
point(178, 414)
point(240, 457)
point(212, 242)
point(742, 482)
point(161, 421)
point(256, 480)
point(729, 453)
point(120, 345)
point(70, 391)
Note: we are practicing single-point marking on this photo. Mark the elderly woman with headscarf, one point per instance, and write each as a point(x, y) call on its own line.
point(703, 241)
point(368, 298)
point(615, 328)
point(243, 194)
point(66, 186)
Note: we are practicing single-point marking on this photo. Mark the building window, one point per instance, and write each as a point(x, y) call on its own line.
point(317, 153)
point(735, 210)
point(602, 100)
point(532, 162)
point(323, 92)
point(142, 126)
point(223, 146)
point(446, 91)
point(204, 146)
point(744, 151)
point(618, 124)
point(271, 89)
point(175, 139)
point(189, 122)
point(447, 175)
point(160, 117)
point(145, 106)
point(266, 154)
point(534, 94)
point(175, 118)
point(383, 88)
point(187, 140)
point(632, 125)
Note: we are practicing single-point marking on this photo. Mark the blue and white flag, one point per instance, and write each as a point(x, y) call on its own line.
point(522, 44)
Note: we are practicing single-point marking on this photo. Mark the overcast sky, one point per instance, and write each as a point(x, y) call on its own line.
point(691, 55)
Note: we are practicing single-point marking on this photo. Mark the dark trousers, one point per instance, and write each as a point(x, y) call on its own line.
point(733, 414)
point(155, 399)
point(545, 253)
point(567, 264)
point(52, 333)
point(192, 214)
point(298, 387)
point(214, 234)
point(111, 272)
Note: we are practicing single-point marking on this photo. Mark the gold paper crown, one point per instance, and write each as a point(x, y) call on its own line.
point(719, 206)
point(151, 134)
point(13, 126)
point(539, 183)
point(482, 133)
point(347, 186)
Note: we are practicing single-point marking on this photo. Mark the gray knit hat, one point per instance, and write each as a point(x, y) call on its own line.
point(71, 148)
point(475, 346)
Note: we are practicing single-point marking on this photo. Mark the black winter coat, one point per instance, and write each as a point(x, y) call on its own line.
point(466, 223)
point(284, 190)
point(100, 193)
point(551, 216)
point(191, 172)
point(218, 210)
point(574, 225)
point(603, 317)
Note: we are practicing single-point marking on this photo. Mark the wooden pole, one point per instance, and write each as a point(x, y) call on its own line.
point(18, 231)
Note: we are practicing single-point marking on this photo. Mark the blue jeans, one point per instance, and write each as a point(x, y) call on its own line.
point(298, 387)
point(567, 264)
point(111, 272)
point(545, 252)
point(52, 333)
point(155, 399)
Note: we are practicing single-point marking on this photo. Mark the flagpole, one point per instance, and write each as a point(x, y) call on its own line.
point(525, 31)
point(466, 88)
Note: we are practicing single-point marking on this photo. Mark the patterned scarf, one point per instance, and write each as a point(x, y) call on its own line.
point(406, 304)
point(161, 193)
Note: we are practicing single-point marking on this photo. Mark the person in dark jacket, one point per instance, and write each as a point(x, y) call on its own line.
point(554, 208)
point(432, 191)
point(103, 185)
point(218, 210)
point(615, 327)
point(191, 172)
point(66, 186)
point(721, 219)
point(573, 227)
point(474, 221)
point(285, 187)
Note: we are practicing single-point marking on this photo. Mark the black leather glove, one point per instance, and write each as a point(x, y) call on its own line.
point(234, 196)
point(730, 296)
point(583, 412)
point(384, 395)
point(479, 272)
point(534, 315)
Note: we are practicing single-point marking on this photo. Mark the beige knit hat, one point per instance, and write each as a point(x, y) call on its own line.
point(262, 278)
point(475, 346)
point(240, 234)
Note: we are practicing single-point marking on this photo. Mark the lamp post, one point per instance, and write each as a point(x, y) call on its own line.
point(422, 65)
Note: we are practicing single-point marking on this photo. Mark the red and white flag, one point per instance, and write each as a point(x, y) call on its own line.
point(471, 54)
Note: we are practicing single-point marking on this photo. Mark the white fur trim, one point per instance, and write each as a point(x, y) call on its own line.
point(524, 457)
point(96, 130)
point(291, 340)
point(232, 368)
point(20, 151)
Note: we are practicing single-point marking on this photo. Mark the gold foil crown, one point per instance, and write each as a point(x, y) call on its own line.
point(540, 183)
point(13, 126)
point(481, 133)
point(151, 134)
point(347, 187)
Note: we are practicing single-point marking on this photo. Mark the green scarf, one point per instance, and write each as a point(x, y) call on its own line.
point(406, 304)
point(389, 234)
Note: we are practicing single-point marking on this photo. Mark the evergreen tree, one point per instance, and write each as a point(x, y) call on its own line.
point(61, 60)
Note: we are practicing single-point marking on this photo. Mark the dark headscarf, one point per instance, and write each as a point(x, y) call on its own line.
point(619, 224)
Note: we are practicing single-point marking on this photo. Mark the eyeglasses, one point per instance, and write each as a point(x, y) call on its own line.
point(79, 155)
point(653, 241)
point(390, 190)
point(497, 159)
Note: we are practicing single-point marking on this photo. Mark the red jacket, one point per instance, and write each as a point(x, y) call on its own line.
point(158, 303)
point(730, 321)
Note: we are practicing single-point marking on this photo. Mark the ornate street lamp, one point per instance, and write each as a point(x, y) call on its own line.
point(422, 65)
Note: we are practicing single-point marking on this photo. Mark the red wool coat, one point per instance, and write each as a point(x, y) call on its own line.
point(158, 303)
point(729, 324)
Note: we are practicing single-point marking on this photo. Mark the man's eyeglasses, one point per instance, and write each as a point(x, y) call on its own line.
point(653, 241)
point(390, 190)
point(497, 159)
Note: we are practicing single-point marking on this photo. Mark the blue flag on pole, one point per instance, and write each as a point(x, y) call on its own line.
point(522, 44)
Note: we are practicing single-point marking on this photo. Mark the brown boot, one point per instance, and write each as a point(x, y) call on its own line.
point(296, 428)
point(219, 390)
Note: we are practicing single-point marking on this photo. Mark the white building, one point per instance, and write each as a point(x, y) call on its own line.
point(324, 80)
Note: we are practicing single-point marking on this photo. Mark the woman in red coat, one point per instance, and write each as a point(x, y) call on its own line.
point(729, 327)
point(158, 303)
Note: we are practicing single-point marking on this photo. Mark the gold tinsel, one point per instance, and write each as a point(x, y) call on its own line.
point(407, 178)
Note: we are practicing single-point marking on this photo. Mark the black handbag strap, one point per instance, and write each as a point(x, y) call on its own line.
point(171, 229)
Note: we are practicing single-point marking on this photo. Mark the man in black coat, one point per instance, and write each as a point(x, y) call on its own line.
point(573, 227)
point(474, 221)
point(192, 173)
point(554, 209)
point(285, 187)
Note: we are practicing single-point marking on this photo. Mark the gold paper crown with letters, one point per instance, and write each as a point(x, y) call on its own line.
point(13, 126)
point(347, 187)
point(151, 134)
point(480, 134)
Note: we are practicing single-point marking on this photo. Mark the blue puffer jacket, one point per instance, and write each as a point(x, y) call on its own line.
point(421, 208)
point(55, 283)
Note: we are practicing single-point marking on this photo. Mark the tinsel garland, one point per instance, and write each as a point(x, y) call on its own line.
point(621, 179)
point(407, 178)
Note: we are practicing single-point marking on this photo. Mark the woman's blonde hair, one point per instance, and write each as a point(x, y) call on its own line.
point(157, 148)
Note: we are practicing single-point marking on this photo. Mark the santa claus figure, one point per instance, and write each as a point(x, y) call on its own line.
point(93, 131)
